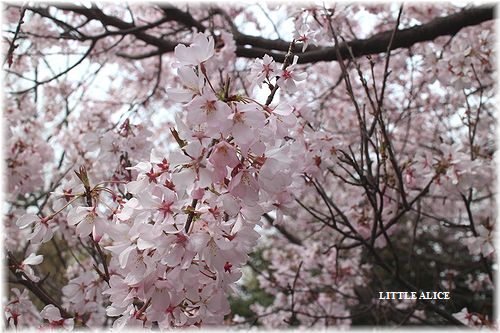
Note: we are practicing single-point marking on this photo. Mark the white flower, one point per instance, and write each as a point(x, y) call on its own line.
point(41, 233)
point(306, 36)
point(262, 69)
point(288, 77)
point(25, 266)
point(199, 51)
point(53, 315)
point(88, 222)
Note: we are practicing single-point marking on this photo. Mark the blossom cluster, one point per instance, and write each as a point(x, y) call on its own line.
point(180, 232)
point(184, 235)
point(152, 218)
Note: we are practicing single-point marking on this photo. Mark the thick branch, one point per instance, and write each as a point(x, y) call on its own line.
point(35, 287)
point(441, 26)
point(175, 14)
point(292, 238)
point(107, 20)
point(256, 47)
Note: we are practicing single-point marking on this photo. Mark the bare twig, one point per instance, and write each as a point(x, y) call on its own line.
point(13, 46)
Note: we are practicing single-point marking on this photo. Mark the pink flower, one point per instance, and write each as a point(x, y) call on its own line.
point(280, 120)
point(199, 51)
point(245, 186)
point(87, 222)
point(119, 295)
point(20, 309)
point(288, 77)
point(223, 155)
point(53, 315)
point(468, 318)
point(262, 69)
point(306, 36)
point(192, 85)
point(25, 266)
point(483, 243)
point(207, 109)
point(177, 252)
point(41, 233)
point(161, 202)
point(76, 288)
point(248, 120)
point(188, 168)
point(274, 176)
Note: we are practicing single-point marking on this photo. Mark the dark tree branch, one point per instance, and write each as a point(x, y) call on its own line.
point(467, 202)
point(441, 26)
point(175, 14)
point(10, 52)
point(107, 20)
point(257, 47)
point(87, 53)
point(292, 238)
point(35, 287)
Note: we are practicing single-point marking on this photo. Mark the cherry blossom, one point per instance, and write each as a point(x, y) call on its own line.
point(42, 232)
point(20, 311)
point(53, 315)
point(162, 189)
point(199, 51)
point(305, 35)
point(263, 69)
point(26, 269)
point(288, 78)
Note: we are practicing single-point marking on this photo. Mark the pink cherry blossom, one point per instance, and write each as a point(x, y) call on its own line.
point(289, 76)
point(53, 315)
point(306, 36)
point(176, 194)
point(42, 231)
point(245, 186)
point(26, 269)
point(201, 49)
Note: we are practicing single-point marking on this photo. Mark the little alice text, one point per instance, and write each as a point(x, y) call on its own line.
point(428, 295)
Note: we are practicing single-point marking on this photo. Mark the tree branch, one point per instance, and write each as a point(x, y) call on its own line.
point(256, 47)
point(10, 52)
point(292, 238)
point(441, 26)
